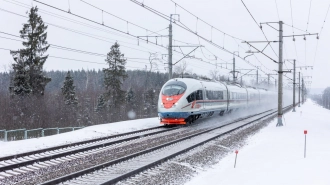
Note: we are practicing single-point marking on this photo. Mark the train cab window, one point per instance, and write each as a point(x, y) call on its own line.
point(191, 97)
point(174, 88)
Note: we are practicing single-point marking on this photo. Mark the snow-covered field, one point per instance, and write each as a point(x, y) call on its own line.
point(14, 147)
point(276, 154)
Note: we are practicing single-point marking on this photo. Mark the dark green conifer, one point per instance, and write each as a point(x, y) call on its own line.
point(114, 76)
point(130, 96)
point(100, 103)
point(30, 60)
point(68, 91)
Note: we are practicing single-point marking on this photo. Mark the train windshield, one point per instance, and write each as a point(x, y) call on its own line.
point(174, 88)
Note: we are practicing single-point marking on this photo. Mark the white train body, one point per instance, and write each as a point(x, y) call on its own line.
point(183, 100)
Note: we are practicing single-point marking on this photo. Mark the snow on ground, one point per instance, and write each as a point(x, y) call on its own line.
point(276, 154)
point(14, 147)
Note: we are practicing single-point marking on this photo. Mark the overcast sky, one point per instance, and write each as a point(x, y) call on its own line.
point(228, 16)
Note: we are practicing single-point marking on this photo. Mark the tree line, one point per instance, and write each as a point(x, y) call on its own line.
point(323, 99)
point(62, 105)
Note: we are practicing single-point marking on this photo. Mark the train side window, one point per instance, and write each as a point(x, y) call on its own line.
point(199, 95)
point(220, 95)
point(234, 96)
point(209, 95)
point(214, 95)
point(191, 97)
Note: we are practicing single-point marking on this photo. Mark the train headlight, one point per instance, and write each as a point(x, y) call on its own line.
point(162, 105)
point(174, 105)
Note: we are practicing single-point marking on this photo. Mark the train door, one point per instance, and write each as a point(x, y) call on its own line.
point(247, 97)
point(200, 96)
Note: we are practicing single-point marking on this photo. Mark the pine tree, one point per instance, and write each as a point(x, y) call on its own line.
point(30, 60)
point(114, 76)
point(100, 104)
point(68, 91)
point(20, 85)
point(130, 97)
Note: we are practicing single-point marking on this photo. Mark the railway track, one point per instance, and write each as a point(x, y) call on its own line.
point(122, 168)
point(100, 154)
point(9, 163)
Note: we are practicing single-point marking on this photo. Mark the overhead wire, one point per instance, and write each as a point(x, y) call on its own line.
point(75, 31)
point(80, 32)
point(183, 26)
point(67, 19)
point(95, 22)
point(89, 53)
point(72, 49)
point(293, 31)
point(213, 27)
point(119, 17)
point(139, 38)
point(77, 60)
point(291, 26)
point(278, 15)
point(320, 32)
point(309, 13)
point(259, 27)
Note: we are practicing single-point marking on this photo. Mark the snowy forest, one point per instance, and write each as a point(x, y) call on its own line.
point(140, 90)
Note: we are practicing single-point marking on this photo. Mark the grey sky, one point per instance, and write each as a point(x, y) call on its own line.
point(230, 16)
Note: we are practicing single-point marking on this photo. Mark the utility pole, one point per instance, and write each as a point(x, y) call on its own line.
point(280, 63)
point(234, 78)
point(302, 90)
point(294, 85)
point(268, 79)
point(280, 76)
point(170, 50)
point(234, 68)
point(299, 92)
point(275, 83)
point(257, 76)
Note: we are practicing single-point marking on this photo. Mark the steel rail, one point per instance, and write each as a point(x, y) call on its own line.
point(148, 166)
point(128, 157)
point(70, 152)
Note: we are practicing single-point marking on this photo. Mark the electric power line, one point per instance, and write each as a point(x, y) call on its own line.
point(309, 12)
point(71, 49)
point(181, 25)
point(259, 27)
point(101, 38)
point(212, 27)
point(77, 60)
point(95, 22)
point(293, 31)
point(278, 15)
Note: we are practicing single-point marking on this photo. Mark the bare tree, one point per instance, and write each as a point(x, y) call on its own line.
point(214, 74)
point(181, 68)
point(153, 58)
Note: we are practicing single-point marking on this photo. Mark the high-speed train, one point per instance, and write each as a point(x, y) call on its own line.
point(184, 100)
